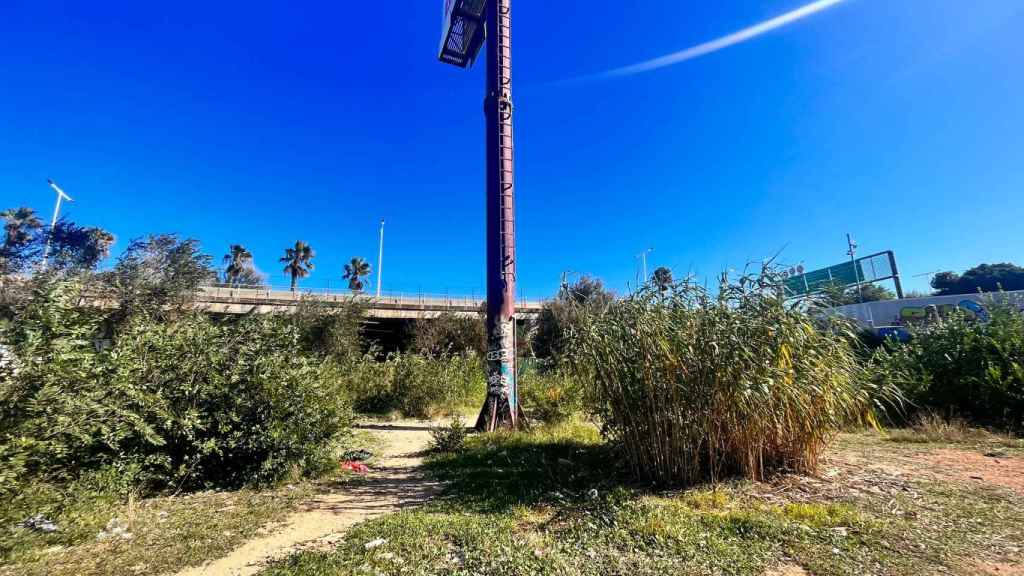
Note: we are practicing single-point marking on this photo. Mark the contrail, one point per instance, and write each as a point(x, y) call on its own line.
point(716, 44)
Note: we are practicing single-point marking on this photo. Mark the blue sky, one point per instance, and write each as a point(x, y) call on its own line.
point(263, 123)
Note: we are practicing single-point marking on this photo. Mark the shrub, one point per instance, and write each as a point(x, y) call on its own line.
point(191, 402)
point(331, 330)
point(550, 396)
point(450, 334)
point(559, 317)
point(964, 367)
point(695, 386)
point(451, 438)
point(416, 386)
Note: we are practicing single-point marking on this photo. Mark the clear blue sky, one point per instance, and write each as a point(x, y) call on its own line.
point(262, 123)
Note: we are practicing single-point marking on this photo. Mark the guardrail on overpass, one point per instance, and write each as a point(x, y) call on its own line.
point(262, 300)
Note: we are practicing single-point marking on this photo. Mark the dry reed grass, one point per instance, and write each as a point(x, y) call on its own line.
point(696, 386)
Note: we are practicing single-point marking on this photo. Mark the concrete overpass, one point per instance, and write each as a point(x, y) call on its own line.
point(399, 306)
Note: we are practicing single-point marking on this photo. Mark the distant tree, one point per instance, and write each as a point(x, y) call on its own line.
point(916, 294)
point(237, 262)
point(946, 282)
point(871, 293)
point(559, 316)
point(298, 261)
point(159, 274)
point(250, 277)
point(21, 227)
point(75, 248)
point(838, 295)
point(450, 334)
point(984, 277)
point(662, 278)
point(355, 270)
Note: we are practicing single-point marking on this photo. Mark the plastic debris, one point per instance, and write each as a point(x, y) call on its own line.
point(357, 467)
point(375, 543)
point(361, 455)
point(39, 523)
point(115, 529)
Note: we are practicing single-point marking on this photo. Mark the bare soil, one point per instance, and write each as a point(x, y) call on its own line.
point(964, 465)
point(394, 482)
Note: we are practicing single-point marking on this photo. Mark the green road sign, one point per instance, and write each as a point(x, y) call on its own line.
point(845, 274)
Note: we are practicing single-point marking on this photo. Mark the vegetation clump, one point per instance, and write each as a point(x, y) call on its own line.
point(695, 386)
point(194, 402)
point(451, 438)
point(416, 386)
point(550, 396)
point(960, 366)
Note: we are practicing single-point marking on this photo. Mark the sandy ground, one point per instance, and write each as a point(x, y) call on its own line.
point(395, 482)
point(965, 465)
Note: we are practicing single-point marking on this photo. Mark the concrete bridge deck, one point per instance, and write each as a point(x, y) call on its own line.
point(242, 300)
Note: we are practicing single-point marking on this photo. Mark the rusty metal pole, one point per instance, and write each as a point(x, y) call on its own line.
point(501, 408)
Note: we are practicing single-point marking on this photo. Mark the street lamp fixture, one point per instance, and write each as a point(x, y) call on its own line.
point(463, 31)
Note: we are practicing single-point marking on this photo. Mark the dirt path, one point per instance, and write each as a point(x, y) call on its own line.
point(395, 482)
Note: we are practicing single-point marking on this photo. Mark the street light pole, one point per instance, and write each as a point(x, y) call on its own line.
point(643, 265)
point(380, 257)
point(466, 24)
point(501, 407)
point(56, 213)
point(853, 260)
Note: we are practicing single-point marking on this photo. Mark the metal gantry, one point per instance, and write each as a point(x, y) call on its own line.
point(467, 23)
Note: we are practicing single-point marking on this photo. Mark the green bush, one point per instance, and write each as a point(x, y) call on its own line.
point(695, 386)
point(550, 396)
point(416, 386)
point(451, 438)
point(959, 366)
point(449, 334)
point(193, 402)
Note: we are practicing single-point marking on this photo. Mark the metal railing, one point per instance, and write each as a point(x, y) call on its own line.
point(285, 294)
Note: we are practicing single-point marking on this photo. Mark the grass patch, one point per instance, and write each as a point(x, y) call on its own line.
point(551, 465)
point(553, 501)
point(167, 533)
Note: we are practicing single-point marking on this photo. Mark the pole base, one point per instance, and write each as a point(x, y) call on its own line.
point(497, 415)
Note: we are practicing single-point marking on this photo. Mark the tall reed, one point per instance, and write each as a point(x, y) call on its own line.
point(695, 386)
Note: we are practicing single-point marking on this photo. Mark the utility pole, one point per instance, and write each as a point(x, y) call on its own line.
point(56, 213)
point(467, 23)
point(380, 257)
point(853, 260)
point(502, 405)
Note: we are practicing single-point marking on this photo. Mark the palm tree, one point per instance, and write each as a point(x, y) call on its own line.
point(237, 261)
point(355, 270)
point(298, 261)
point(662, 278)
point(20, 223)
point(19, 235)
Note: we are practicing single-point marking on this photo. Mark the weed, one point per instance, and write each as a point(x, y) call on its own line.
point(451, 438)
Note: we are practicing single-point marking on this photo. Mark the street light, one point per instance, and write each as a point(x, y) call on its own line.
point(56, 213)
point(643, 264)
point(853, 260)
point(380, 257)
point(466, 24)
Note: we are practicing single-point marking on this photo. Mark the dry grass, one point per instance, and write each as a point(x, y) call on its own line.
point(931, 427)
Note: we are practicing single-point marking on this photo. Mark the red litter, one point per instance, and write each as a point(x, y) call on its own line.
point(357, 467)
